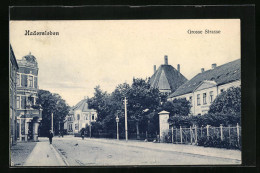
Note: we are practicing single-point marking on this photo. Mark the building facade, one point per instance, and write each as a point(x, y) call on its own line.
point(80, 116)
point(28, 118)
point(13, 67)
point(202, 89)
point(167, 79)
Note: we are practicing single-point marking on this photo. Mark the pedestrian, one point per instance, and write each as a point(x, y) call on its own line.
point(61, 133)
point(50, 136)
point(82, 134)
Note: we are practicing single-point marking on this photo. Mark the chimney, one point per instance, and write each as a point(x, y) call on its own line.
point(213, 65)
point(154, 68)
point(165, 60)
point(178, 67)
point(202, 70)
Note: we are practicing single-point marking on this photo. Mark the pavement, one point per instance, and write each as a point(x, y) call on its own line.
point(44, 154)
point(20, 152)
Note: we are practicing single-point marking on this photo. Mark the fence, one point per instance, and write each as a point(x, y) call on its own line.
point(212, 136)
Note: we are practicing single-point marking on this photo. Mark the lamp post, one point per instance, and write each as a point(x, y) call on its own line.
point(126, 133)
point(117, 133)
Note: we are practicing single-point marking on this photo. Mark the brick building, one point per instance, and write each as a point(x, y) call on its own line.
point(28, 118)
point(13, 67)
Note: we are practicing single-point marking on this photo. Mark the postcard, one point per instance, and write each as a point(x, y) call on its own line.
point(125, 92)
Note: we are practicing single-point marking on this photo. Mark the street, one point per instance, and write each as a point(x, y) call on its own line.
point(101, 152)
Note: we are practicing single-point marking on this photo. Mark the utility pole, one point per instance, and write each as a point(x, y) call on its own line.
point(52, 122)
point(126, 134)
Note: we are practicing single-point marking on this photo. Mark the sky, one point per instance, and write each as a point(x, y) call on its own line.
point(88, 53)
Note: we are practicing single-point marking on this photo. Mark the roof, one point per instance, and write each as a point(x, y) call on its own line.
point(82, 105)
point(223, 74)
point(167, 77)
point(12, 57)
point(28, 60)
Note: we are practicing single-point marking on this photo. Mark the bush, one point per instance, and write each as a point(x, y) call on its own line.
point(214, 141)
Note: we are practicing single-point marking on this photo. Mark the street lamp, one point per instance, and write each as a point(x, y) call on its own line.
point(117, 133)
point(126, 133)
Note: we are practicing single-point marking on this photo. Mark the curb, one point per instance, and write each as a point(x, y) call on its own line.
point(59, 157)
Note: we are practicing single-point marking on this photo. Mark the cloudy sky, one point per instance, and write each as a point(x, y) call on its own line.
point(110, 52)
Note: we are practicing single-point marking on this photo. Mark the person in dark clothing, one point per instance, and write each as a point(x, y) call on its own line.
point(82, 134)
point(50, 136)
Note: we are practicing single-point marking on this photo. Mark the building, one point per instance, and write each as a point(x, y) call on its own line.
point(28, 118)
point(202, 89)
point(80, 116)
point(167, 79)
point(13, 67)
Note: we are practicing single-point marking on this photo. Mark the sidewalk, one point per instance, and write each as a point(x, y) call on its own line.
point(181, 148)
point(20, 152)
point(44, 154)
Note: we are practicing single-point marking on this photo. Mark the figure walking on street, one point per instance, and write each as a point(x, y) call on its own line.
point(82, 134)
point(50, 136)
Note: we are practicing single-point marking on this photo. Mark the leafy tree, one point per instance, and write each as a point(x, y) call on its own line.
point(142, 100)
point(51, 103)
point(99, 103)
point(227, 102)
point(177, 107)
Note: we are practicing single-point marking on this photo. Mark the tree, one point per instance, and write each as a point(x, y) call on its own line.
point(51, 103)
point(99, 103)
point(142, 100)
point(227, 102)
point(177, 107)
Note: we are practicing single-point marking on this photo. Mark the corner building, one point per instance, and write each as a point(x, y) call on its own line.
point(13, 67)
point(28, 118)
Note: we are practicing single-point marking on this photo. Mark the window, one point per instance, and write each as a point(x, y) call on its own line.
point(204, 98)
point(221, 90)
point(211, 96)
point(198, 99)
point(30, 80)
point(76, 126)
point(93, 117)
point(190, 100)
point(86, 116)
point(18, 80)
point(35, 82)
point(18, 102)
point(78, 117)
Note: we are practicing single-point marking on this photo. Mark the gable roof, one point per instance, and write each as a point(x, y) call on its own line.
point(82, 105)
point(167, 77)
point(223, 74)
